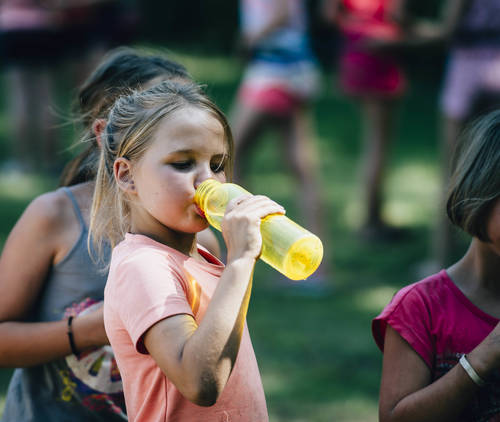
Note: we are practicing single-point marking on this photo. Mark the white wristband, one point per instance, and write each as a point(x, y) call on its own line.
point(471, 371)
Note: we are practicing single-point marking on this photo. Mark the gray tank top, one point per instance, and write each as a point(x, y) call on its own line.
point(86, 387)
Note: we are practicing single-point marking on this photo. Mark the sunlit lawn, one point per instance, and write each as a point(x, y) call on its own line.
point(317, 356)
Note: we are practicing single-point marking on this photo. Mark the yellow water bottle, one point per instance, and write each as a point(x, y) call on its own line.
point(286, 246)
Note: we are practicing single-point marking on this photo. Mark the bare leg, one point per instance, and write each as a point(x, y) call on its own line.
point(19, 107)
point(48, 122)
point(248, 123)
point(300, 149)
point(32, 117)
point(443, 240)
point(378, 126)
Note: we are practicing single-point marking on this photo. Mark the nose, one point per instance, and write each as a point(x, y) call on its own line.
point(203, 174)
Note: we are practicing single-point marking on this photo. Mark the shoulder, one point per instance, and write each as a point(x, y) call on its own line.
point(42, 230)
point(411, 312)
point(133, 258)
point(143, 277)
point(427, 291)
point(48, 211)
point(135, 251)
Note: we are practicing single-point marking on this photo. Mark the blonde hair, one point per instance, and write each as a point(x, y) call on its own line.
point(130, 128)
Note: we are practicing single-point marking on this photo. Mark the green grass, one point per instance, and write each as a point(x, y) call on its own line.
point(317, 357)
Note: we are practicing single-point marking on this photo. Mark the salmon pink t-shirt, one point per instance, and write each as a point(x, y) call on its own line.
point(148, 282)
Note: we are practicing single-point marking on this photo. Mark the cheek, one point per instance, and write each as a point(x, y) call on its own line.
point(495, 242)
point(494, 227)
point(221, 177)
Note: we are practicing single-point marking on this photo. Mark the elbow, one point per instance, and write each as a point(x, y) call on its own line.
point(206, 400)
point(385, 413)
point(390, 415)
point(207, 391)
point(385, 418)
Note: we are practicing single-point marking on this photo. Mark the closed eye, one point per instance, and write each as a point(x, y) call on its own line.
point(182, 165)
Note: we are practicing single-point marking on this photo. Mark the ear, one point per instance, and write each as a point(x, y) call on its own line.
point(122, 169)
point(98, 129)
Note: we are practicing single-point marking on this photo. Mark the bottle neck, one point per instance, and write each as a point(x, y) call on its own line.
point(203, 191)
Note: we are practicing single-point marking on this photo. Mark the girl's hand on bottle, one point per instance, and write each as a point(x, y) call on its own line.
point(241, 225)
point(486, 356)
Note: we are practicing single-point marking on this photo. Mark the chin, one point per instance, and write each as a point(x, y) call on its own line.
point(201, 222)
point(197, 227)
point(203, 227)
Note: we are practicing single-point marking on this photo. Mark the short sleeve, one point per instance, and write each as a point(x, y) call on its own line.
point(149, 287)
point(409, 315)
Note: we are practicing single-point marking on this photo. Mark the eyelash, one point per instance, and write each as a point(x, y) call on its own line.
point(186, 165)
point(182, 165)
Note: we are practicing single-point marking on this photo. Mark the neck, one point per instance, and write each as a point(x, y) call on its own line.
point(478, 269)
point(183, 242)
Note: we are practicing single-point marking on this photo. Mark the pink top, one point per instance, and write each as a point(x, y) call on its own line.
point(371, 18)
point(148, 282)
point(440, 323)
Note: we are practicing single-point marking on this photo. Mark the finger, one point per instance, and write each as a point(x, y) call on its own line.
point(259, 204)
point(264, 211)
point(259, 209)
point(236, 202)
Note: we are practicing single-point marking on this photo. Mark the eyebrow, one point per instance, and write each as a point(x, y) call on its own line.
point(192, 151)
point(182, 151)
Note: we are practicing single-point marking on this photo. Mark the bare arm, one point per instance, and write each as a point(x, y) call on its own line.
point(406, 391)
point(26, 259)
point(199, 359)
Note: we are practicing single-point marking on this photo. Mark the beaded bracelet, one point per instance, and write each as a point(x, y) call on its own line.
point(74, 350)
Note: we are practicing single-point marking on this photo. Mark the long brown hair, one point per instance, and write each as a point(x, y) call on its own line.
point(122, 69)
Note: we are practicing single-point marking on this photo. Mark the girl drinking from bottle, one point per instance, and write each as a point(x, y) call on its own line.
point(174, 314)
point(441, 336)
point(58, 379)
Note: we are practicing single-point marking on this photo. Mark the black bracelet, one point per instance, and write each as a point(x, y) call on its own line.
point(74, 350)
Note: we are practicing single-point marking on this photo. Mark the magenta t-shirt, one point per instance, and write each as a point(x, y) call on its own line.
point(441, 324)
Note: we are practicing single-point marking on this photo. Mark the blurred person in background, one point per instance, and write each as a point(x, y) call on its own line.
point(279, 82)
point(370, 71)
point(30, 38)
point(37, 38)
point(471, 86)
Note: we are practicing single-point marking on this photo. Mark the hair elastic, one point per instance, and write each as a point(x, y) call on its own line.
point(471, 371)
point(74, 350)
